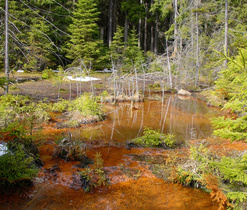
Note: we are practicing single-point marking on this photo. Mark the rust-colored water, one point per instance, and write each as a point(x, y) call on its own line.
point(187, 119)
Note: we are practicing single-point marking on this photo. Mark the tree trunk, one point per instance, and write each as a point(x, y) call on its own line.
point(156, 34)
point(102, 33)
point(226, 31)
point(114, 16)
point(169, 67)
point(126, 28)
point(110, 23)
point(197, 46)
point(6, 88)
point(192, 30)
point(152, 34)
point(139, 29)
point(152, 39)
point(176, 27)
point(145, 29)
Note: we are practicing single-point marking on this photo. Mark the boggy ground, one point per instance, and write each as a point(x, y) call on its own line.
point(131, 182)
point(48, 88)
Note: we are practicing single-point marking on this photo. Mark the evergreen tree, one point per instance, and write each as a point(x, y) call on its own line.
point(232, 86)
point(84, 39)
point(133, 54)
point(117, 48)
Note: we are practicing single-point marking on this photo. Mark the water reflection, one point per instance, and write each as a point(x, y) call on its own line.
point(185, 117)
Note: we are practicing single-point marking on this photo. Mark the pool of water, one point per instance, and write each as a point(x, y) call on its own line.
point(186, 117)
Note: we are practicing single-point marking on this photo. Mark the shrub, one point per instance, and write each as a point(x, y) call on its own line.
point(16, 166)
point(224, 177)
point(60, 106)
point(47, 74)
point(69, 149)
point(16, 109)
point(152, 138)
point(231, 85)
point(94, 177)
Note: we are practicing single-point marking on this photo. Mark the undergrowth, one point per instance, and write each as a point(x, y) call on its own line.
point(152, 138)
point(85, 109)
point(70, 150)
point(95, 176)
point(225, 178)
point(16, 167)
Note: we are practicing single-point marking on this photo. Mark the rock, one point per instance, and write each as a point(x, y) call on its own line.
point(184, 92)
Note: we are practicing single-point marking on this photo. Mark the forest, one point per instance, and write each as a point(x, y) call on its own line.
point(109, 97)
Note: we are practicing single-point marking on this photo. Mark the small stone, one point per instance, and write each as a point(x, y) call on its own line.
point(184, 92)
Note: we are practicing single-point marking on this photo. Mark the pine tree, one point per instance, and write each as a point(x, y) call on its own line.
point(84, 39)
point(133, 53)
point(117, 48)
point(232, 85)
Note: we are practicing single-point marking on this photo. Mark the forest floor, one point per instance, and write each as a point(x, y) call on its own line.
point(33, 85)
point(48, 88)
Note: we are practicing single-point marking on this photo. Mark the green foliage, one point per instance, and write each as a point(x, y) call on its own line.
point(104, 93)
point(84, 36)
point(133, 54)
point(232, 169)
point(60, 106)
point(70, 150)
point(117, 48)
point(16, 166)
point(152, 138)
point(228, 172)
point(232, 83)
point(2, 82)
point(48, 74)
point(233, 129)
point(154, 86)
point(16, 109)
point(87, 105)
point(214, 98)
point(71, 124)
point(11, 108)
point(85, 109)
point(95, 176)
point(238, 198)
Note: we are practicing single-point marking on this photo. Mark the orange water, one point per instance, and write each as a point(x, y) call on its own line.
point(187, 119)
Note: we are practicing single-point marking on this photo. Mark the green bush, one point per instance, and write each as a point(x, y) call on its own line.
point(16, 166)
point(60, 106)
point(94, 177)
point(69, 149)
point(16, 109)
point(231, 85)
point(87, 106)
point(47, 74)
point(224, 177)
point(152, 138)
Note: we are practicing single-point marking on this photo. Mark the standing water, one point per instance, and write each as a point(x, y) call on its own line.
point(185, 117)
